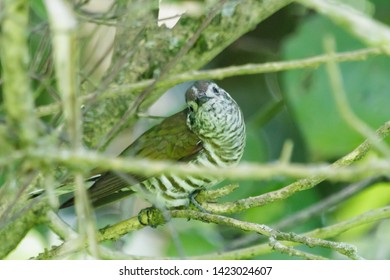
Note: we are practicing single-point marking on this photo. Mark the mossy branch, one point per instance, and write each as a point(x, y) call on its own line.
point(136, 63)
point(109, 106)
point(341, 170)
point(22, 129)
point(102, 116)
point(17, 94)
point(218, 74)
point(278, 240)
point(370, 31)
point(124, 227)
point(31, 215)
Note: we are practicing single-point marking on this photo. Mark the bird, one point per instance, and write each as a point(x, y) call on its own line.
point(210, 131)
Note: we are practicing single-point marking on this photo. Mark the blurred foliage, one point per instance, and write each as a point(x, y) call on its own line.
point(309, 95)
point(307, 116)
point(376, 196)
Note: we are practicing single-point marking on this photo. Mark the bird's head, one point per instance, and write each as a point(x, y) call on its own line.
point(211, 110)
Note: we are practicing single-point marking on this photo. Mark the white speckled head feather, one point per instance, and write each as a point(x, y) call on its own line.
point(217, 120)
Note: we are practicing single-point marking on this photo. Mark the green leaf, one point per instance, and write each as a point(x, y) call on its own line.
point(195, 239)
point(39, 9)
point(309, 96)
point(374, 197)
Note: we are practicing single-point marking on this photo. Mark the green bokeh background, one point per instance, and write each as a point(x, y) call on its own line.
point(308, 117)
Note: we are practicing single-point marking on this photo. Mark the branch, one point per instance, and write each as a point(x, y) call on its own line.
point(312, 238)
point(13, 230)
point(340, 97)
point(365, 218)
point(245, 171)
point(310, 241)
point(311, 180)
point(280, 247)
point(370, 31)
point(339, 170)
point(57, 225)
point(18, 98)
point(64, 26)
point(218, 74)
point(326, 204)
point(22, 125)
point(133, 224)
point(326, 232)
point(152, 48)
point(156, 217)
point(164, 72)
point(318, 208)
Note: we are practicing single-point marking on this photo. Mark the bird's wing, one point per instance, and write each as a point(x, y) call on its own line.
point(170, 140)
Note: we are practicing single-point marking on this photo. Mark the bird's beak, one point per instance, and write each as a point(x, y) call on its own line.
point(197, 95)
point(203, 98)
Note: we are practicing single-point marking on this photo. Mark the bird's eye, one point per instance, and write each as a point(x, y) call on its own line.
point(215, 90)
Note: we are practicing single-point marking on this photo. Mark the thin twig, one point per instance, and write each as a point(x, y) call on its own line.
point(245, 171)
point(62, 229)
point(340, 97)
point(221, 73)
point(369, 30)
point(63, 25)
point(278, 246)
point(16, 90)
point(306, 183)
point(325, 232)
point(339, 170)
point(312, 238)
point(310, 241)
point(164, 73)
point(325, 205)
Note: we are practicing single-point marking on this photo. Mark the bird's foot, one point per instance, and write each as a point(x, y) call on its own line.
point(195, 203)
